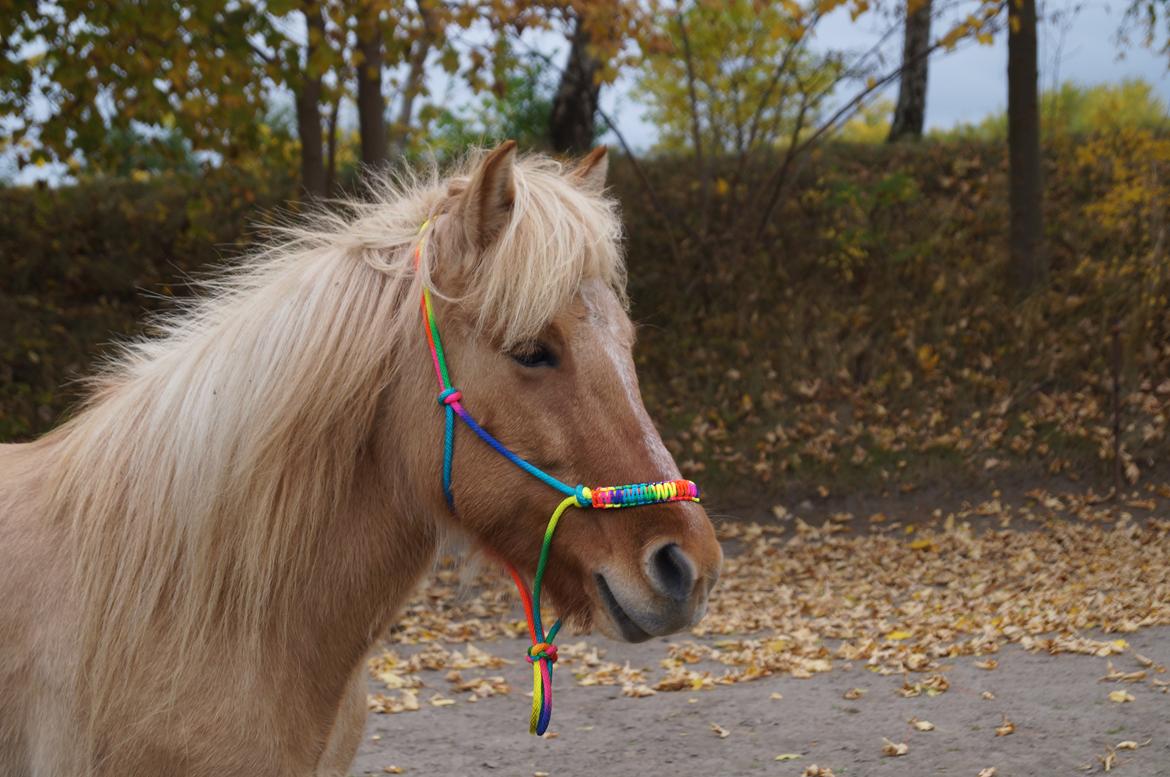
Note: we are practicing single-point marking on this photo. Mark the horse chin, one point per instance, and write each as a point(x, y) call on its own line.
point(616, 623)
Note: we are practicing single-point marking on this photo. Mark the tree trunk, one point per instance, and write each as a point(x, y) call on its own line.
point(331, 145)
point(910, 114)
point(1029, 262)
point(308, 104)
point(410, 91)
point(575, 105)
point(371, 104)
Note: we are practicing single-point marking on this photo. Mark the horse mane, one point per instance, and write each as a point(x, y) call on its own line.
point(192, 483)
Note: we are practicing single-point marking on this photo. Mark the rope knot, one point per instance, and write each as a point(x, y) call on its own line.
point(450, 396)
point(584, 496)
point(542, 650)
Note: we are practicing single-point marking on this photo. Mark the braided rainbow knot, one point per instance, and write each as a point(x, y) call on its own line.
point(541, 650)
point(645, 494)
point(450, 396)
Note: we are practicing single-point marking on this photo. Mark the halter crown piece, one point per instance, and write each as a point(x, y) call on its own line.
point(543, 653)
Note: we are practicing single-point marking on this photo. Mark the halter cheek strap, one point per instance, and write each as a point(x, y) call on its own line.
point(543, 653)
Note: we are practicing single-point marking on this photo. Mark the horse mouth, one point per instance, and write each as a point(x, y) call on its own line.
point(630, 631)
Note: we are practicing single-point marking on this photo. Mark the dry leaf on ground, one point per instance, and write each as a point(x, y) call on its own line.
point(818, 771)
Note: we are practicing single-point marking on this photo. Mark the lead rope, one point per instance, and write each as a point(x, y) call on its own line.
point(542, 654)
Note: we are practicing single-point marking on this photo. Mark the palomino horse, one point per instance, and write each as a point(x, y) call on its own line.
point(194, 566)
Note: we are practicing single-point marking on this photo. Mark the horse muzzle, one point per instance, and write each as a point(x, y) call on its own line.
point(667, 594)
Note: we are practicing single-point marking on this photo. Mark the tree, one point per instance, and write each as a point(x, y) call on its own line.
point(724, 83)
point(1145, 14)
point(370, 102)
point(574, 109)
point(308, 102)
point(910, 113)
point(1029, 263)
point(74, 72)
point(79, 72)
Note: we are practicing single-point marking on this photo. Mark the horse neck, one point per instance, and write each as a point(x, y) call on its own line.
point(370, 547)
point(372, 554)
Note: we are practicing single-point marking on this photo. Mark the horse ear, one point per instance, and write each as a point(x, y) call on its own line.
point(590, 172)
point(486, 204)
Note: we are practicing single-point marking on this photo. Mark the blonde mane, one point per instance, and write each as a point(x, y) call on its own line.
point(197, 478)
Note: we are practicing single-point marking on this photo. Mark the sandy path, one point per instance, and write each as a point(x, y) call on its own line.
point(1063, 717)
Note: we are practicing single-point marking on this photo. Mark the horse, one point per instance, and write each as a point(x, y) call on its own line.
point(194, 565)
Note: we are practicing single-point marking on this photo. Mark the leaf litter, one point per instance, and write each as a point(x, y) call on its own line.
point(796, 599)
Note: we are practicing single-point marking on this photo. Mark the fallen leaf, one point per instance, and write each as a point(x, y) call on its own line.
point(1120, 697)
point(1115, 675)
point(637, 690)
point(776, 696)
point(788, 756)
point(854, 694)
point(894, 748)
point(921, 725)
point(392, 770)
point(988, 772)
point(818, 771)
point(720, 732)
point(1005, 728)
point(989, 664)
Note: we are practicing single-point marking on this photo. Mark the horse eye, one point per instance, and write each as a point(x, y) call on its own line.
point(534, 355)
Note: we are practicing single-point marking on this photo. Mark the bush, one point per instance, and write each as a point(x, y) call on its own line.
point(81, 265)
point(870, 337)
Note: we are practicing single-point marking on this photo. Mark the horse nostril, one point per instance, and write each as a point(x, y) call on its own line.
point(671, 572)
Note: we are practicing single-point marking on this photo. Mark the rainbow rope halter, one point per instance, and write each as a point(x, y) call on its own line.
point(543, 653)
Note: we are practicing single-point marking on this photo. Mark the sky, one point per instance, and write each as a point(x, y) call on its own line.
point(1078, 42)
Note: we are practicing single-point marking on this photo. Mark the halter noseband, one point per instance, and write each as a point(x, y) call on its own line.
point(543, 653)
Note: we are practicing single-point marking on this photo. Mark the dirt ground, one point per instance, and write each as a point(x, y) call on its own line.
point(1064, 724)
point(1063, 721)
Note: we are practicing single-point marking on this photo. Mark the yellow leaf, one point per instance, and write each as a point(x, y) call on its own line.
point(788, 756)
point(895, 636)
point(1120, 697)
